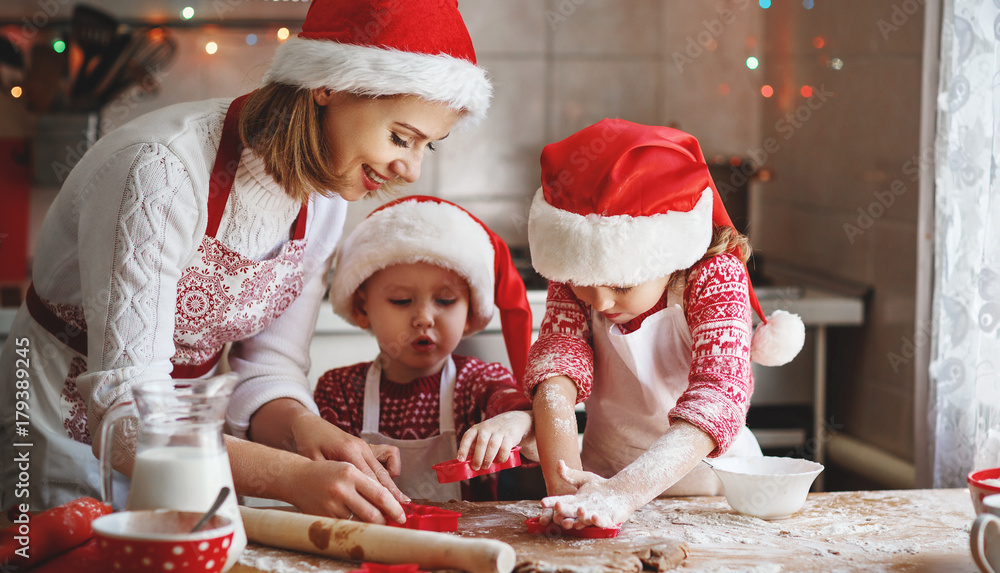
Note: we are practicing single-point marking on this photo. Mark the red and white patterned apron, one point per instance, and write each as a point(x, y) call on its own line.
point(222, 296)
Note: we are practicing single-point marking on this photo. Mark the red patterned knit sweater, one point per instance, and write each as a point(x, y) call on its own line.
point(718, 313)
point(412, 411)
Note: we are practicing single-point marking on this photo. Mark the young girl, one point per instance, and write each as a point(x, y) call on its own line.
point(422, 273)
point(647, 320)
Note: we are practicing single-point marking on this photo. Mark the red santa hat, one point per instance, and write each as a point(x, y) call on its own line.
point(431, 230)
point(386, 47)
point(623, 204)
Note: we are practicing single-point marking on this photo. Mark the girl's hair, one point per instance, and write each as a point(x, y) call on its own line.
point(728, 240)
point(284, 126)
point(724, 240)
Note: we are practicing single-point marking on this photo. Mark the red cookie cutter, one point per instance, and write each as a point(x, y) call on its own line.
point(554, 528)
point(454, 470)
point(428, 518)
point(386, 568)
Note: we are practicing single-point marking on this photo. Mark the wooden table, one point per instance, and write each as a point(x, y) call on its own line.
point(893, 530)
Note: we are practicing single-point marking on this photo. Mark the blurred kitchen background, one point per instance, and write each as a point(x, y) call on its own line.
point(808, 110)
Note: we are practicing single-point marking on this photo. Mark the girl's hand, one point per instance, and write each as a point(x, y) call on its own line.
point(595, 503)
point(340, 489)
point(490, 441)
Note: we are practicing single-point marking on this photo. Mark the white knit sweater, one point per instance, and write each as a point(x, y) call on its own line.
point(128, 221)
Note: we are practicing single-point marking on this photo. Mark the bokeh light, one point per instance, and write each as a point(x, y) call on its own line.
point(211, 48)
point(808, 4)
point(819, 42)
point(16, 91)
point(752, 63)
point(724, 89)
point(59, 46)
point(765, 4)
point(836, 63)
point(766, 91)
point(283, 34)
point(806, 91)
point(187, 13)
point(251, 39)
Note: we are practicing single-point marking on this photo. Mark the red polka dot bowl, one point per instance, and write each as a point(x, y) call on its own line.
point(161, 540)
point(983, 483)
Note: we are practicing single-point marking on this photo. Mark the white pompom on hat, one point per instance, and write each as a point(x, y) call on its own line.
point(418, 228)
point(622, 204)
point(387, 47)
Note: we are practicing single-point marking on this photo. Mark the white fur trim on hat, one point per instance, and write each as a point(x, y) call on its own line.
point(364, 70)
point(616, 250)
point(778, 341)
point(417, 231)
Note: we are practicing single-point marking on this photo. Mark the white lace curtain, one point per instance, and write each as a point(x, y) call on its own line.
point(964, 397)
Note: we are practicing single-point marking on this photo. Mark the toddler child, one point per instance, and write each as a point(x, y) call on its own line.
point(648, 320)
point(422, 273)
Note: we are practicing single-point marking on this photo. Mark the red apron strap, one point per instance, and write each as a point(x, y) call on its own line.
point(72, 336)
point(195, 370)
point(227, 159)
point(300, 223)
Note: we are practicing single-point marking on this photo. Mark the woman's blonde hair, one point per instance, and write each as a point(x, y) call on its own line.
point(724, 240)
point(284, 126)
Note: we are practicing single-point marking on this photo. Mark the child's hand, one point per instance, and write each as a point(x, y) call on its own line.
point(595, 503)
point(491, 440)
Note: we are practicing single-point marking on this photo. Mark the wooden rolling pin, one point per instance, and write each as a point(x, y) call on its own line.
point(355, 541)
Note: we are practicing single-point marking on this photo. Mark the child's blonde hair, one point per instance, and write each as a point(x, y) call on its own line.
point(724, 240)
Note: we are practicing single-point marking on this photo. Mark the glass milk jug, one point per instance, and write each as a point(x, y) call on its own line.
point(180, 460)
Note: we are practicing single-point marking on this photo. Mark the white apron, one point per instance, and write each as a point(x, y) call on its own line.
point(417, 479)
point(638, 378)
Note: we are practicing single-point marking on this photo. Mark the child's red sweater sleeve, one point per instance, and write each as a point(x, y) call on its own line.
point(563, 344)
point(717, 307)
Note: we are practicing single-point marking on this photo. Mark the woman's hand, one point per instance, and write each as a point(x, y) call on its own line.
point(287, 424)
point(596, 502)
point(320, 487)
point(317, 439)
point(491, 440)
point(340, 489)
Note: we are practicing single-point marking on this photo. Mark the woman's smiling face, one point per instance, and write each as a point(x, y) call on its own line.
point(373, 141)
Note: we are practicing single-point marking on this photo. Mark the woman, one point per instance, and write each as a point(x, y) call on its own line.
point(214, 222)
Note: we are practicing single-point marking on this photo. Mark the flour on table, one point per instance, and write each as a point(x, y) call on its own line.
point(273, 560)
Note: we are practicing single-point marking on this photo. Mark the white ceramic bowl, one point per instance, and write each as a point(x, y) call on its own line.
point(764, 486)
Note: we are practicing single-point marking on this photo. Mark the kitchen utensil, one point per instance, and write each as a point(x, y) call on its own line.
point(223, 494)
point(45, 86)
point(10, 54)
point(142, 63)
point(180, 461)
point(161, 540)
point(92, 30)
point(553, 528)
point(454, 470)
point(428, 518)
point(764, 486)
point(52, 532)
point(355, 541)
point(984, 539)
point(84, 88)
point(981, 484)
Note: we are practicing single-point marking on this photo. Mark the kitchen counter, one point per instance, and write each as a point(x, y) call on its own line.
point(891, 530)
